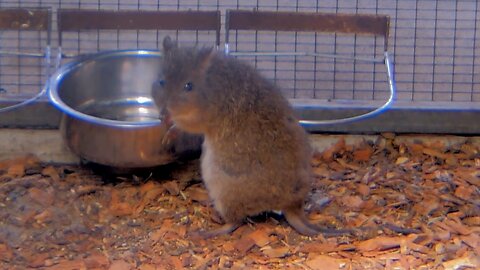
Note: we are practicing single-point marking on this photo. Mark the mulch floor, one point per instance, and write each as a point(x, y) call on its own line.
point(415, 206)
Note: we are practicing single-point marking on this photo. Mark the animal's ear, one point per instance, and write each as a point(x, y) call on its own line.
point(168, 44)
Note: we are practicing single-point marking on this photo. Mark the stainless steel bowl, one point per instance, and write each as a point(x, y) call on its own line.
point(109, 115)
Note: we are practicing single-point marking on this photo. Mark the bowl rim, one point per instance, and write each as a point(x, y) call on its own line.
point(62, 71)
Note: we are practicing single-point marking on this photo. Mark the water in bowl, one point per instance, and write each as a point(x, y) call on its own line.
point(123, 110)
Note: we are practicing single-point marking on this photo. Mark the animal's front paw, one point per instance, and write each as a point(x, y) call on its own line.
point(170, 135)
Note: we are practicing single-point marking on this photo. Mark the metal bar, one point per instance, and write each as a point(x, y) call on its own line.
point(37, 19)
point(31, 54)
point(314, 123)
point(337, 56)
point(25, 102)
point(375, 112)
point(308, 21)
point(76, 19)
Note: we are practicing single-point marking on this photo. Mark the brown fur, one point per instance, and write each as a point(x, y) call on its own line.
point(256, 156)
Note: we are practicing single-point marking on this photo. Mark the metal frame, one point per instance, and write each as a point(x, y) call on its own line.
point(83, 19)
point(364, 24)
point(28, 19)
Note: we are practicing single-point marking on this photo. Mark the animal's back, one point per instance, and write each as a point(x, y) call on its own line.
point(258, 157)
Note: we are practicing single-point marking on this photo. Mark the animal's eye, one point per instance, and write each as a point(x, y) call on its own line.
point(161, 83)
point(188, 86)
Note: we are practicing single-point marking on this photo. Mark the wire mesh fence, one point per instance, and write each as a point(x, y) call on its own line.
point(22, 75)
point(434, 44)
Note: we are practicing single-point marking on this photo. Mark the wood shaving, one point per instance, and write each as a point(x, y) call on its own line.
point(412, 206)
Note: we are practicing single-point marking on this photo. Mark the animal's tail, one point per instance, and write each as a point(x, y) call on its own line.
point(296, 218)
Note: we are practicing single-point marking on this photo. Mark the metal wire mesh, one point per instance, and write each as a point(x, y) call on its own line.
point(434, 44)
point(21, 76)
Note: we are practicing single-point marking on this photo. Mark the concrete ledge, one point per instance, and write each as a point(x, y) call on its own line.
point(322, 142)
point(403, 117)
point(49, 146)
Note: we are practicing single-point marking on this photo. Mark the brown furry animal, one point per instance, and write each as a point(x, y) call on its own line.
point(255, 156)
